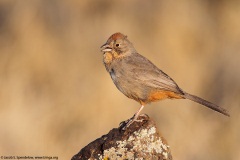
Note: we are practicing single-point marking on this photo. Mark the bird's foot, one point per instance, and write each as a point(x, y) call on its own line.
point(125, 124)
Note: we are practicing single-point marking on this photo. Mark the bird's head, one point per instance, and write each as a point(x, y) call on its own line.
point(118, 45)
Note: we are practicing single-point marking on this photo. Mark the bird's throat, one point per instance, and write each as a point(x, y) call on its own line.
point(107, 57)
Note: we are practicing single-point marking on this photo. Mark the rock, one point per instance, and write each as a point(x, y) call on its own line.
point(141, 140)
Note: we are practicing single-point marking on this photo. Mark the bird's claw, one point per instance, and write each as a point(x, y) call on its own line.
point(125, 124)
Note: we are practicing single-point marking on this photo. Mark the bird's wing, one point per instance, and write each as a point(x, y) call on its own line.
point(146, 72)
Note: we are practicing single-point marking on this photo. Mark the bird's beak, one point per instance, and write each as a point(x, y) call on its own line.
point(106, 48)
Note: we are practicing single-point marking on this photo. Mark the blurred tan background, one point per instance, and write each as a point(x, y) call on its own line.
point(56, 96)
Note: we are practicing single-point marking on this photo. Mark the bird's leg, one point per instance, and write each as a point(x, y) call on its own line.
point(134, 118)
point(131, 120)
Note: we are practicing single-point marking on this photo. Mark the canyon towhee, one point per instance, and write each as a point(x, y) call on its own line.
point(139, 79)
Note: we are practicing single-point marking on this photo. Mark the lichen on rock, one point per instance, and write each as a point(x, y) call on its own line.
point(140, 141)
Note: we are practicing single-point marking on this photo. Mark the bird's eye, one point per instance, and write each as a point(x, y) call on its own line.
point(117, 45)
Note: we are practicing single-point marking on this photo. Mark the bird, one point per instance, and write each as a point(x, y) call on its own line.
point(139, 79)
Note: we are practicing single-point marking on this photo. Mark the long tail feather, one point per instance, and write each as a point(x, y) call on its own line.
point(206, 103)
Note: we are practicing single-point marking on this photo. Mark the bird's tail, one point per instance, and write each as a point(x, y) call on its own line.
point(206, 103)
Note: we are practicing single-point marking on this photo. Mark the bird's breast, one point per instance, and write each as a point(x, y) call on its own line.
point(112, 74)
